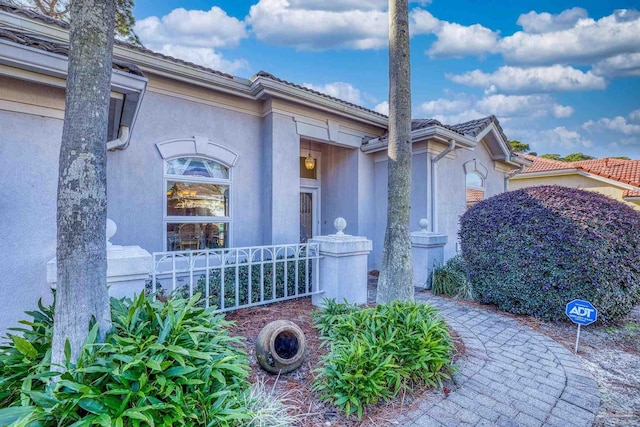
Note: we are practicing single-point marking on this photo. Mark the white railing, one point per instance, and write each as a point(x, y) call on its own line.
point(228, 279)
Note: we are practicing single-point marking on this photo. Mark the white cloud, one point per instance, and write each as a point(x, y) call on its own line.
point(556, 140)
point(508, 79)
point(453, 40)
point(635, 115)
point(626, 64)
point(536, 23)
point(195, 28)
point(442, 106)
point(340, 90)
point(204, 56)
point(562, 111)
point(305, 28)
point(522, 105)
point(616, 124)
point(463, 108)
point(382, 108)
point(587, 41)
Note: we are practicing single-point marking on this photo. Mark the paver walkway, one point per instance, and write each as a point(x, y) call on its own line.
point(511, 375)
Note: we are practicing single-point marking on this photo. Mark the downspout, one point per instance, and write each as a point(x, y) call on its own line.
point(122, 142)
point(434, 184)
point(511, 175)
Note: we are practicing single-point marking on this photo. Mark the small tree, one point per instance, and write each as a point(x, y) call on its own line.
point(59, 9)
point(576, 157)
point(396, 276)
point(81, 295)
point(518, 147)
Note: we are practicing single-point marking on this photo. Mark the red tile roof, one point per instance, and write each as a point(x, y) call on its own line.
point(474, 196)
point(624, 171)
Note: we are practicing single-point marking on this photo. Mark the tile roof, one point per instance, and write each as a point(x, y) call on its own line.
point(31, 14)
point(270, 76)
point(624, 171)
point(474, 196)
point(474, 127)
point(59, 48)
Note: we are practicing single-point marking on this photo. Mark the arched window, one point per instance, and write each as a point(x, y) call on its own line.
point(197, 203)
point(475, 188)
point(475, 176)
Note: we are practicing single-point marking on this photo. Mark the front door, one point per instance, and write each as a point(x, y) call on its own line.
point(308, 214)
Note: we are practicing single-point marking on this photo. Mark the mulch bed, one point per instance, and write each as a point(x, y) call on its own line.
point(296, 386)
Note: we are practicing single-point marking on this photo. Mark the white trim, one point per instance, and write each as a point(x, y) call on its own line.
point(436, 132)
point(167, 219)
point(316, 200)
point(196, 146)
point(573, 171)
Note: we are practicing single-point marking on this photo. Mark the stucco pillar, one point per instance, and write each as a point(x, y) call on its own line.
point(128, 268)
point(342, 266)
point(427, 250)
point(281, 186)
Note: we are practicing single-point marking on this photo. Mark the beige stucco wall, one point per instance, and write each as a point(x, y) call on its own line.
point(573, 181)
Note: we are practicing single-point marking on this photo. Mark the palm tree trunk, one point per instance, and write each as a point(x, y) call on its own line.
point(396, 276)
point(81, 295)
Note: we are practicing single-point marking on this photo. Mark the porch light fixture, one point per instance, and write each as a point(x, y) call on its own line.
point(309, 162)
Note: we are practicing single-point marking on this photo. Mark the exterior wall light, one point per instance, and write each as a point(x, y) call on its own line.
point(309, 162)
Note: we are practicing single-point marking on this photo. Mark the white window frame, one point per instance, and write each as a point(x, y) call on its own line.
point(200, 148)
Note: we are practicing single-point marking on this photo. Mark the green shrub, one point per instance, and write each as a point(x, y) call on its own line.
point(377, 352)
point(451, 279)
point(532, 251)
point(22, 355)
point(164, 364)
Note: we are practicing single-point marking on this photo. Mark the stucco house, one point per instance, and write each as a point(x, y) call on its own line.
point(202, 159)
point(616, 178)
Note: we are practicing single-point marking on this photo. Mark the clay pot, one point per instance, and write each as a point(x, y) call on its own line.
point(280, 347)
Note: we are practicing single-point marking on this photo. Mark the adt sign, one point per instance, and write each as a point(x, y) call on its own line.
point(581, 312)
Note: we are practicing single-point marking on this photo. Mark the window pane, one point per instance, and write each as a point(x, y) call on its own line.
point(474, 180)
point(197, 167)
point(197, 199)
point(194, 236)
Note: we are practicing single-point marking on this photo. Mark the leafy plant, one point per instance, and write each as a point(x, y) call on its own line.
point(451, 279)
point(377, 352)
point(164, 364)
point(22, 356)
point(532, 251)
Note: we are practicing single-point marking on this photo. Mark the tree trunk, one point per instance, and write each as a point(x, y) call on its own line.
point(396, 276)
point(81, 295)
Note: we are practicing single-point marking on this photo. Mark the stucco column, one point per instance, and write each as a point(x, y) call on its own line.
point(342, 266)
point(128, 268)
point(281, 186)
point(427, 250)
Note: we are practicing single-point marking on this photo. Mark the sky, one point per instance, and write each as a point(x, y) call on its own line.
point(561, 76)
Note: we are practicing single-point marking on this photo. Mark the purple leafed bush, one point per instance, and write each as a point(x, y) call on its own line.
point(532, 251)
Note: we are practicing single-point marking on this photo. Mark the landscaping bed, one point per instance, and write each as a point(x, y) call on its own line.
point(296, 386)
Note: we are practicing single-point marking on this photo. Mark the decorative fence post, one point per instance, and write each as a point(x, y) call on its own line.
point(128, 267)
point(343, 266)
point(427, 250)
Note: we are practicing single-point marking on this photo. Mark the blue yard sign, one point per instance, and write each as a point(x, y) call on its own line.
point(582, 313)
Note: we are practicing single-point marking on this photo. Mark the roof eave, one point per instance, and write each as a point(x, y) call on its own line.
point(263, 88)
point(431, 132)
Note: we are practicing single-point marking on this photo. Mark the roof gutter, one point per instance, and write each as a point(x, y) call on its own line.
point(434, 184)
point(511, 175)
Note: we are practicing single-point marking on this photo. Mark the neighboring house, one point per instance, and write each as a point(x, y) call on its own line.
point(202, 159)
point(616, 178)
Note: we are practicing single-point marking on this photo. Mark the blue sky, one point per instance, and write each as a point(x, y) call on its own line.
point(561, 76)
